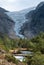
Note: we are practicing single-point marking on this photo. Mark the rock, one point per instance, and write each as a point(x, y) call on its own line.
point(6, 24)
point(35, 22)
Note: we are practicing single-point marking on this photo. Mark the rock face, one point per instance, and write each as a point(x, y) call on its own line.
point(6, 24)
point(19, 18)
point(26, 23)
point(35, 23)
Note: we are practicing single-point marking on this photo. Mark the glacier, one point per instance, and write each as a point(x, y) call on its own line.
point(19, 18)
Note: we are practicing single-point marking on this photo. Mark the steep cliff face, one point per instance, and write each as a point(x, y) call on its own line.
point(35, 23)
point(6, 24)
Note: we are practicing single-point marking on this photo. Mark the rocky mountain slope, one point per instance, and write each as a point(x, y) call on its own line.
point(25, 23)
point(35, 23)
point(6, 24)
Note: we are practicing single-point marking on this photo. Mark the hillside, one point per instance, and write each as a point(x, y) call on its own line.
point(6, 24)
point(35, 22)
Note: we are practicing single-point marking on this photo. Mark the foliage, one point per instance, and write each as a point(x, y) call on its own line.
point(10, 58)
point(36, 44)
point(37, 59)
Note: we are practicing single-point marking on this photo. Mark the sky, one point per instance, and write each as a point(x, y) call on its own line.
point(16, 5)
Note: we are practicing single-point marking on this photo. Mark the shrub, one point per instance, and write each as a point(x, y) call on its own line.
point(10, 58)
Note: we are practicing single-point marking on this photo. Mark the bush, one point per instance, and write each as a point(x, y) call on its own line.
point(10, 58)
point(37, 59)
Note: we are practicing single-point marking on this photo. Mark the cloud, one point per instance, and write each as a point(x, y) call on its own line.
point(15, 5)
point(8, 0)
point(11, 0)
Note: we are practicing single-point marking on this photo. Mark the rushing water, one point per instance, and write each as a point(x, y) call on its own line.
point(22, 57)
point(26, 52)
point(19, 58)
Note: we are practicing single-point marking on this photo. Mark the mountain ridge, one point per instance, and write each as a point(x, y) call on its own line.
point(6, 24)
point(28, 22)
point(34, 26)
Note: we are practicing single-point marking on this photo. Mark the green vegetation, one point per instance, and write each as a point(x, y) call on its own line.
point(10, 58)
point(36, 59)
point(36, 44)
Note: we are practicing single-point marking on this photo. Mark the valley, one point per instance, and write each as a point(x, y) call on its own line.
point(19, 18)
point(22, 36)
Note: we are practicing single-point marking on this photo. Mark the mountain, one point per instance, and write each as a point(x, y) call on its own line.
point(3, 10)
point(19, 18)
point(35, 22)
point(25, 23)
point(6, 24)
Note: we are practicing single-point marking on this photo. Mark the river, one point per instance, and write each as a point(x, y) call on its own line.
point(20, 58)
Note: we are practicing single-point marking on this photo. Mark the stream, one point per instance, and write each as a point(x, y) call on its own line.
point(20, 58)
